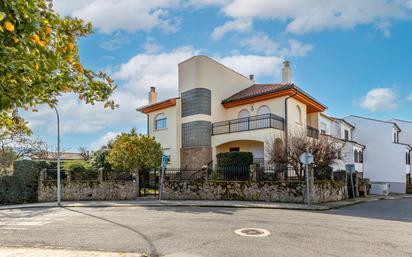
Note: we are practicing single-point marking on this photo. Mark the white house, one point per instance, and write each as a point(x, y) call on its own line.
point(405, 137)
point(220, 110)
point(341, 131)
point(386, 158)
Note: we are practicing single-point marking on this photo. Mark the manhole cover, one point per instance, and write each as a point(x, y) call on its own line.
point(252, 232)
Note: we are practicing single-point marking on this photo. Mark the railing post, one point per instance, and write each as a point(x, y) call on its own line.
point(229, 126)
point(248, 123)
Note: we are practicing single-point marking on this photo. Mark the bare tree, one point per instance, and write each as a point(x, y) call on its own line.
point(84, 153)
point(325, 151)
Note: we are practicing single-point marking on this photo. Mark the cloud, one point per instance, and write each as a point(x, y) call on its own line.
point(151, 46)
point(115, 42)
point(104, 140)
point(297, 48)
point(254, 64)
point(409, 97)
point(380, 99)
point(260, 43)
point(129, 15)
point(305, 16)
point(240, 25)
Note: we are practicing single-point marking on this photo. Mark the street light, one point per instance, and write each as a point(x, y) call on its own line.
point(58, 159)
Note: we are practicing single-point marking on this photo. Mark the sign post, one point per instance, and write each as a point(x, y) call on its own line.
point(307, 158)
point(165, 160)
point(350, 168)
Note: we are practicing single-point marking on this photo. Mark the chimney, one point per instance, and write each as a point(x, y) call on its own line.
point(252, 77)
point(152, 95)
point(286, 73)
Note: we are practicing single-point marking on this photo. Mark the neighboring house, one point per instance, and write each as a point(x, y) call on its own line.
point(341, 131)
point(405, 137)
point(220, 110)
point(52, 156)
point(386, 158)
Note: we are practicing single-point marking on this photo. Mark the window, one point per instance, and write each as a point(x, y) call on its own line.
point(396, 137)
point(234, 149)
point(264, 109)
point(160, 121)
point(243, 123)
point(323, 128)
point(346, 134)
point(299, 114)
point(360, 157)
point(408, 158)
point(356, 156)
point(244, 114)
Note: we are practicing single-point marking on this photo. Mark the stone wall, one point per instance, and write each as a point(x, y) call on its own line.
point(75, 190)
point(290, 192)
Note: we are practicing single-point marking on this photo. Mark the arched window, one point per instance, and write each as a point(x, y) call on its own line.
point(243, 122)
point(244, 114)
point(161, 121)
point(299, 111)
point(356, 156)
point(264, 109)
point(360, 157)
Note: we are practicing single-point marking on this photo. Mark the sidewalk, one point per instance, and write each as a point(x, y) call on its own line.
point(152, 202)
point(46, 252)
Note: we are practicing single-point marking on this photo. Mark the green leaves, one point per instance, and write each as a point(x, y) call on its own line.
point(132, 152)
point(39, 59)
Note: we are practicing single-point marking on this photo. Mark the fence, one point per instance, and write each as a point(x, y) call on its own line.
point(249, 123)
point(233, 173)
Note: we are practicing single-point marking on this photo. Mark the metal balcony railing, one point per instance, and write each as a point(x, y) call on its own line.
point(312, 132)
point(249, 123)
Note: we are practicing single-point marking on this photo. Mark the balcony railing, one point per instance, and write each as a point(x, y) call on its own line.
point(249, 123)
point(313, 132)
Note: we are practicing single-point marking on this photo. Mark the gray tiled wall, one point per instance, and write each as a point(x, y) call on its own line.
point(196, 101)
point(196, 134)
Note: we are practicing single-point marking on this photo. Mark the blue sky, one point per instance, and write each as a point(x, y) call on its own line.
point(353, 56)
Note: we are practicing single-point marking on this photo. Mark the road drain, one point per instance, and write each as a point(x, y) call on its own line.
point(252, 232)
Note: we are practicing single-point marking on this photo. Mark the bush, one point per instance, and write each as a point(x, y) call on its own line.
point(80, 170)
point(323, 173)
point(21, 186)
point(234, 159)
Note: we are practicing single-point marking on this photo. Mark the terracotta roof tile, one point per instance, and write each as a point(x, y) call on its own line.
point(256, 90)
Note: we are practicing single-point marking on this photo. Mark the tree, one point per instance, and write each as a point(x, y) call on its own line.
point(132, 152)
point(39, 60)
point(84, 153)
point(324, 150)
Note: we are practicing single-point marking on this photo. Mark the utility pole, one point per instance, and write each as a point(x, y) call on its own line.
point(58, 159)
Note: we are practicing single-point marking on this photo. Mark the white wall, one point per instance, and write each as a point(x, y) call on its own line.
point(384, 161)
point(405, 136)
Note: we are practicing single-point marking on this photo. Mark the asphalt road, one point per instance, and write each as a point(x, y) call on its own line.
point(381, 228)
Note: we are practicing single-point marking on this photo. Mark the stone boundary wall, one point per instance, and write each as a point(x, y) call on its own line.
point(288, 192)
point(77, 190)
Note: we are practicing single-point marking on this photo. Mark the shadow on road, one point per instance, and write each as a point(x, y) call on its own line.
point(395, 210)
point(152, 248)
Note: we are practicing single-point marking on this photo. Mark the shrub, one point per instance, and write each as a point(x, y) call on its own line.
point(234, 159)
point(323, 173)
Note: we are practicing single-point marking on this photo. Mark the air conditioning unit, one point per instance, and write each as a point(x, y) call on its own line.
point(380, 188)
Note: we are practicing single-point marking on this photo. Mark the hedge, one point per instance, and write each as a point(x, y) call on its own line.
point(234, 159)
point(21, 186)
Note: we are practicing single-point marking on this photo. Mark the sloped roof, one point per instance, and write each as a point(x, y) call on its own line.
point(258, 92)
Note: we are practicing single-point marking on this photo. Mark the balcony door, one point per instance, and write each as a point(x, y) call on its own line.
point(243, 121)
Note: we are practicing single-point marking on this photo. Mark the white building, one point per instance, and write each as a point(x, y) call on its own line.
point(341, 131)
point(386, 159)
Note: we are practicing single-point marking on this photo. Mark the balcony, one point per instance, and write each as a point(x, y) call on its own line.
point(249, 123)
point(312, 132)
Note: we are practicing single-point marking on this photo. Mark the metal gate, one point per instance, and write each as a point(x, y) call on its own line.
point(149, 181)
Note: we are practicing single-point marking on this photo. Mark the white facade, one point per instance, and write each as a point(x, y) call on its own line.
point(384, 158)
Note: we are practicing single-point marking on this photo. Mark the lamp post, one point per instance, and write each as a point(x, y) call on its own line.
point(58, 158)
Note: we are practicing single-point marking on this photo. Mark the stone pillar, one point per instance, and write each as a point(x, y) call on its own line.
point(253, 172)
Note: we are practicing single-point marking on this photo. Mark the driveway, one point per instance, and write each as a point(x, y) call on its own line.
point(380, 228)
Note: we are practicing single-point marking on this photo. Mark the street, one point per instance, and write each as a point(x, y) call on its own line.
point(379, 228)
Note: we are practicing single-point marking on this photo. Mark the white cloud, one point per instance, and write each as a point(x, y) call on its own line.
point(239, 25)
point(104, 140)
point(260, 43)
point(253, 64)
point(380, 99)
point(297, 48)
point(151, 46)
point(116, 41)
point(129, 15)
point(304, 16)
point(409, 97)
